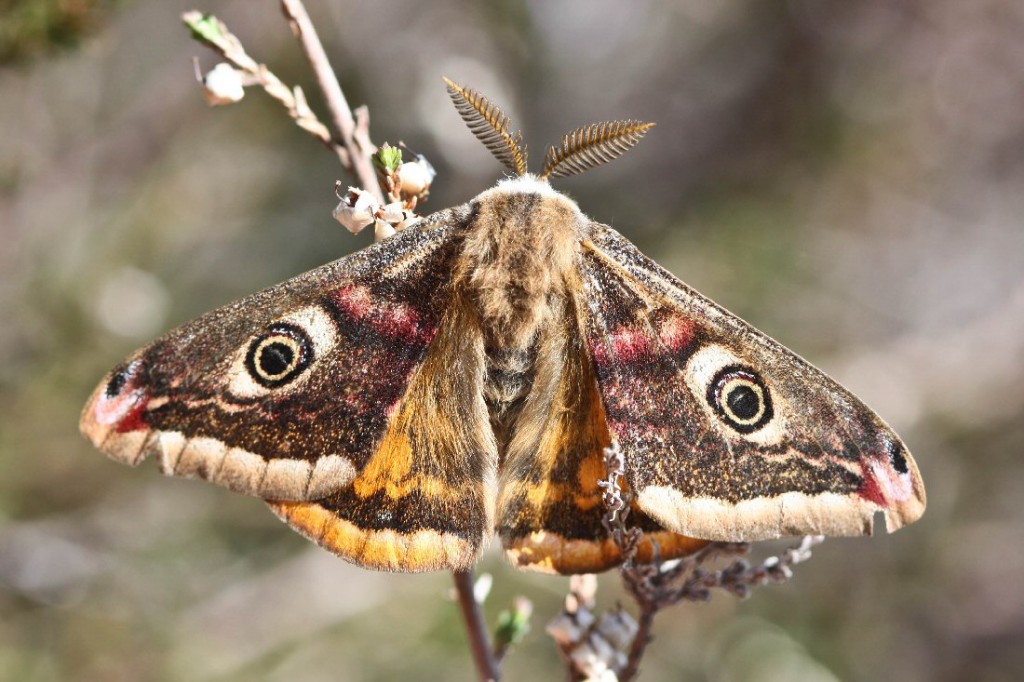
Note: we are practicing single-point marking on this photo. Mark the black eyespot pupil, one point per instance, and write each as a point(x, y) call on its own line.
point(276, 358)
point(744, 402)
point(899, 462)
point(117, 383)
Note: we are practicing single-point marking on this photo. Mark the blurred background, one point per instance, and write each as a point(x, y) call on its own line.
point(849, 177)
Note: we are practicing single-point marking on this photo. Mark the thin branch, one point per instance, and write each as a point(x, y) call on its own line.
point(476, 627)
point(643, 637)
point(355, 138)
point(214, 34)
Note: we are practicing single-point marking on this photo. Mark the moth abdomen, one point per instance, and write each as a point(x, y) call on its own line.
point(510, 373)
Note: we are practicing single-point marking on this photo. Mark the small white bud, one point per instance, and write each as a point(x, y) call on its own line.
point(482, 586)
point(583, 588)
point(415, 176)
point(393, 213)
point(523, 606)
point(382, 230)
point(223, 85)
point(357, 209)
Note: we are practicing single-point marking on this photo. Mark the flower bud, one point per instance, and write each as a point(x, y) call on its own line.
point(382, 230)
point(393, 213)
point(618, 628)
point(356, 210)
point(482, 587)
point(223, 85)
point(414, 177)
point(388, 157)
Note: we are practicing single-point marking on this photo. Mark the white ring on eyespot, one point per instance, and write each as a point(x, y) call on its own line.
point(733, 384)
point(701, 369)
point(322, 332)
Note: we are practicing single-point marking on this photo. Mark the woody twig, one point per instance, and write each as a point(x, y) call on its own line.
point(351, 145)
point(353, 128)
point(479, 639)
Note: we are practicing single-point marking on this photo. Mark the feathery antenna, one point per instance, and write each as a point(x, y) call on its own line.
point(490, 126)
point(591, 146)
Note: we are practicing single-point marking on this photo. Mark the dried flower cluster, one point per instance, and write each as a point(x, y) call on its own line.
point(407, 183)
point(359, 209)
point(594, 645)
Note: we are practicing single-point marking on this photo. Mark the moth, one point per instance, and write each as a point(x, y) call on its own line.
point(461, 379)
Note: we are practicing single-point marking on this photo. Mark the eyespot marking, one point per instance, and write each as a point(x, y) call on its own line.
point(740, 398)
point(896, 456)
point(282, 355)
point(118, 381)
point(704, 373)
point(279, 355)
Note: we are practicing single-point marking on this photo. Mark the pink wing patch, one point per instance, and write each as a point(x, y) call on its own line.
point(393, 319)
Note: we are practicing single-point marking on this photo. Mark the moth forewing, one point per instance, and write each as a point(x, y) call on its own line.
point(820, 463)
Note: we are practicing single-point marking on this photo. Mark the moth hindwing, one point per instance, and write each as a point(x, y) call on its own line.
point(464, 378)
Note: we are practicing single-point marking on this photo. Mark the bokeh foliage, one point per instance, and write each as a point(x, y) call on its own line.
point(31, 28)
